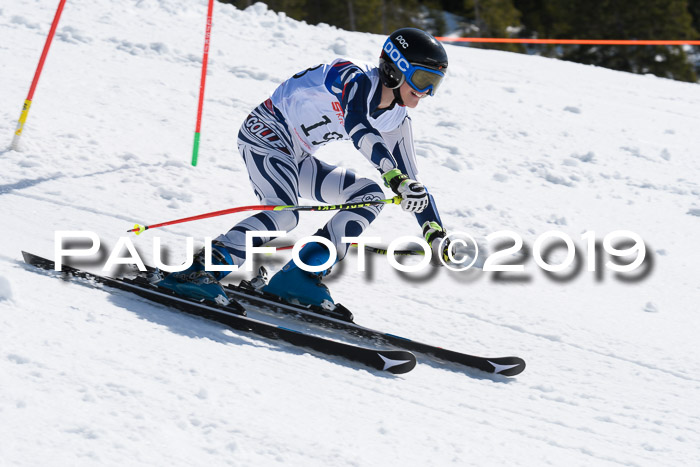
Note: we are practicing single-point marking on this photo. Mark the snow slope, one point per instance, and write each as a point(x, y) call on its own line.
point(511, 142)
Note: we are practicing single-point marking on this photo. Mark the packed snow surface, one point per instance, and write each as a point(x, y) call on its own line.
point(511, 142)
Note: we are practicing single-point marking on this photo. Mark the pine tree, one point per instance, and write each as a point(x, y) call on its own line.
point(493, 18)
point(694, 10)
point(627, 19)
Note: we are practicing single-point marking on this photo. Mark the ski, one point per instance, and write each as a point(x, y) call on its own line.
point(234, 316)
point(507, 366)
point(342, 319)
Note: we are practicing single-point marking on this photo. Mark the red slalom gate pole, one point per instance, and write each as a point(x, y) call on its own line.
point(37, 73)
point(205, 59)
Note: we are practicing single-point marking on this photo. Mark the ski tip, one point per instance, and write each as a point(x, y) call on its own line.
point(396, 361)
point(507, 366)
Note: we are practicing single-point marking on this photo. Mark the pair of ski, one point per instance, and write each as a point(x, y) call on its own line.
point(234, 316)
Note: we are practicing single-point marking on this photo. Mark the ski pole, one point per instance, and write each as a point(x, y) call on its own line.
point(381, 251)
point(371, 249)
point(138, 229)
point(35, 81)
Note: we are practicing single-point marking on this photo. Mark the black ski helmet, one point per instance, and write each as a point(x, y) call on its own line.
point(416, 46)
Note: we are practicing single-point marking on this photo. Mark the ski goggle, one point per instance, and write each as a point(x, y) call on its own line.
point(420, 78)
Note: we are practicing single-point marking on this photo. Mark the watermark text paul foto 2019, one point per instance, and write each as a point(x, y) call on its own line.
point(626, 251)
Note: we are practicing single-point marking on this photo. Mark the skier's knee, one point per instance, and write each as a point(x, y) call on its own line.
point(364, 189)
point(285, 220)
point(282, 220)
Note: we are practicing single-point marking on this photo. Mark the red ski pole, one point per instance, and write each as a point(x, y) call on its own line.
point(371, 249)
point(37, 73)
point(264, 207)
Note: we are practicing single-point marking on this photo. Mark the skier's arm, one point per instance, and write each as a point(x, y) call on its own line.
point(352, 88)
point(400, 142)
point(392, 152)
point(349, 84)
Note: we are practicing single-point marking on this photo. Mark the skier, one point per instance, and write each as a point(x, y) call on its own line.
point(278, 140)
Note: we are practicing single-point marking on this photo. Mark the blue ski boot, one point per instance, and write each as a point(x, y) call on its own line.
point(197, 283)
point(296, 285)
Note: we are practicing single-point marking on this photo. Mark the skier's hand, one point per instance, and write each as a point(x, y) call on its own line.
point(414, 198)
point(434, 235)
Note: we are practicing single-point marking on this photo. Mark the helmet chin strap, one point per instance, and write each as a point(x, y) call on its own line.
point(397, 96)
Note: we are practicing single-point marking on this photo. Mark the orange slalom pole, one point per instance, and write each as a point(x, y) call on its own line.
point(567, 41)
point(35, 81)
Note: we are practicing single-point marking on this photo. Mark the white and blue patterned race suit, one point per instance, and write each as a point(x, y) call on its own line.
point(315, 107)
